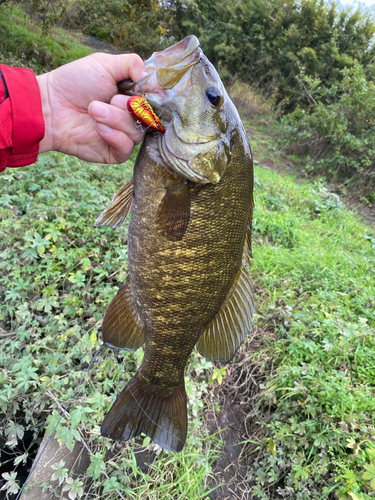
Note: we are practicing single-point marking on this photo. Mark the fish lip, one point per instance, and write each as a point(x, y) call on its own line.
point(170, 65)
point(151, 86)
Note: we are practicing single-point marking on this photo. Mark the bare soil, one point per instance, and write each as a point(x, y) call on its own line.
point(99, 46)
point(237, 420)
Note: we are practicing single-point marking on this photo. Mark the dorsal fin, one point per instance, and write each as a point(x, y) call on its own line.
point(119, 209)
point(174, 212)
point(224, 335)
point(122, 327)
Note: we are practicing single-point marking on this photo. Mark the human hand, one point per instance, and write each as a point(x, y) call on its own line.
point(84, 116)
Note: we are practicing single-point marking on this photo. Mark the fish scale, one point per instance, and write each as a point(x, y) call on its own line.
point(203, 267)
point(190, 216)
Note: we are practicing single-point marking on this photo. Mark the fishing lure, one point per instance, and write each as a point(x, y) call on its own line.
point(141, 111)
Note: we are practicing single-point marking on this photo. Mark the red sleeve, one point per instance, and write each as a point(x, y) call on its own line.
point(21, 117)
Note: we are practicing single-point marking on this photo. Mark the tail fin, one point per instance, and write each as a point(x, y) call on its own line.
point(142, 408)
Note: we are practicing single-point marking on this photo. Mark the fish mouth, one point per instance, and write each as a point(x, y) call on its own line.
point(200, 157)
point(165, 70)
point(171, 65)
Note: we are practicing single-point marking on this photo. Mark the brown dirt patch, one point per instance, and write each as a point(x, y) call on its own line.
point(99, 46)
point(235, 421)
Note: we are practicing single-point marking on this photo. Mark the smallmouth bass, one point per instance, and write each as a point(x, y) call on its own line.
point(189, 239)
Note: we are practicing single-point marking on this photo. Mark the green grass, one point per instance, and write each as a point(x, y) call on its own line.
point(23, 42)
point(57, 276)
point(314, 266)
point(315, 262)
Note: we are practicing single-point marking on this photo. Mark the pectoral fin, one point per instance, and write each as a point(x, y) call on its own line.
point(122, 327)
point(224, 335)
point(174, 212)
point(119, 209)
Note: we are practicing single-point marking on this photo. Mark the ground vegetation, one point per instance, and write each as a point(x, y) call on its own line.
point(300, 393)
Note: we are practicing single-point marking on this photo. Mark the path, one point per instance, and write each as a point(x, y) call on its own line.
point(99, 46)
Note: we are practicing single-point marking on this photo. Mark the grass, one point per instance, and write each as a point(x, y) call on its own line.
point(23, 42)
point(316, 271)
point(314, 267)
point(57, 274)
point(313, 271)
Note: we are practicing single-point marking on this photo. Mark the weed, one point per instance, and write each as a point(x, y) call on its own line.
point(23, 42)
point(337, 132)
point(320, 299)
point(57, 276)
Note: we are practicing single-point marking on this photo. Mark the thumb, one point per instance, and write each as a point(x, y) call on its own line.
point(123, 66)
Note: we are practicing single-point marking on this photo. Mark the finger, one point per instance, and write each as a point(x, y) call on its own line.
point(120, 102)
point(116, 117)
point(122, 66)
point(120, 143)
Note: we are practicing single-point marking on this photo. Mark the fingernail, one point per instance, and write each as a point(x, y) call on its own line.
point(144, 73)
point(104, 129)
point(99, 110)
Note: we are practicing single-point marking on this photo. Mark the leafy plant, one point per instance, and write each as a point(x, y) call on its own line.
point(338, 131)
point(57, 275)
point(11, 486)
point(321, 392)
point(24, 43)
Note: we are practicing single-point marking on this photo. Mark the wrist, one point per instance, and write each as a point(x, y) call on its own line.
point(46, 144)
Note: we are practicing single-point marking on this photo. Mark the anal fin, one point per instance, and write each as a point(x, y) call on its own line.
point(226, 332)
point(122, 327)
point(174, 212)
point(119, 209)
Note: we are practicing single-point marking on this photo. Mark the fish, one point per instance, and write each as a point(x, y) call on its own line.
point(189, 243)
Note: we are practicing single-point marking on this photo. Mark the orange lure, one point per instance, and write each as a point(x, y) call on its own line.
point(140, 110)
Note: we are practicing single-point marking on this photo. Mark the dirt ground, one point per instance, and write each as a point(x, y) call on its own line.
point(237, 419)
point(99, 46)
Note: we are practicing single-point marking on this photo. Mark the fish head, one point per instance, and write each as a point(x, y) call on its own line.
point(200, 120)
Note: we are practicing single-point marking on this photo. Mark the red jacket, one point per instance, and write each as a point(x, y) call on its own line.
point(21, 117)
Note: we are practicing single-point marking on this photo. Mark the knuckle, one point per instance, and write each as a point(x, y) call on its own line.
point(135, 59)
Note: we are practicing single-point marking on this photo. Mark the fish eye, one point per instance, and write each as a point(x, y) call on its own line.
point(213, 96)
